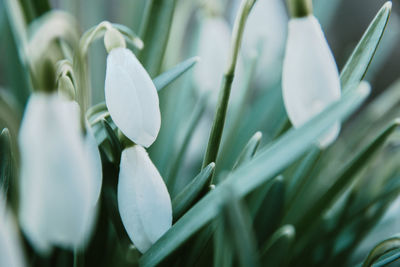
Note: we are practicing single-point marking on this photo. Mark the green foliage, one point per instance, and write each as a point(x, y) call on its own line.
point(267, 197)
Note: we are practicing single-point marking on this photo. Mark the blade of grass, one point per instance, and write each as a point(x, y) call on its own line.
point(223, 99)
point(274, 252)
point(345, 178)
point(249, 150)
point(266, 164)
point(192, 192)
point(357, 65)
point(154, 32)
point(164, 79)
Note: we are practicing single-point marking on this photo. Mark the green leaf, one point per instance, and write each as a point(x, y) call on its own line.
point(236, 224)
point(116, 147)
point(381, 249)
point(164, 79)
point(249, 150)
point(6, 161)
point(270, 211)
point(192, 192)
point(266, 164)
point(385, 261)
point(345, 177)
point(275, 251)
point(154, 32)
point(176, 162)
point(357, 65)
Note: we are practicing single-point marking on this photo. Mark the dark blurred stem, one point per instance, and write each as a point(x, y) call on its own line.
point(220, 114)
point(154, 33)
point(300, 8)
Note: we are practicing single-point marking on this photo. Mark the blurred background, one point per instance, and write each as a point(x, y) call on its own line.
point(343, 23)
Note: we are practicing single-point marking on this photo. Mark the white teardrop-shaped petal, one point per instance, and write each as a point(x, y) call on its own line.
point(310, 79)
point(131, 97)
point(10, 245)
point(56, 188)
point(143, 199)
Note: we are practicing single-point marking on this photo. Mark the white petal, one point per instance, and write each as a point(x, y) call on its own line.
point(10, 246)
point(131, 97)
point(55, 185)
point(310, 79)
point(143, 199)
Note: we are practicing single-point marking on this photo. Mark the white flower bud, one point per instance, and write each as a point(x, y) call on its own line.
point(143, 199)
point(131, 97)
point(56, 183)
point(310, 79)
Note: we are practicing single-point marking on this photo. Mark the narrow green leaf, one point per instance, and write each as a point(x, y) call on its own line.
point(357, 65)
point(165, 78)
point(6, 161)
point(192, 192)
point(270, 211)
point(276, 249)
point(381, 249)
point(346, 177)
point(116, 146)
point(266, 164)
point(385, 261)
point(154, 32)
point(237, 227)
point(193, 123)
point(249, 150)
point(218, 124)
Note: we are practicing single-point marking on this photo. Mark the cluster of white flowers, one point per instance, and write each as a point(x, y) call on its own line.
point(61, 170)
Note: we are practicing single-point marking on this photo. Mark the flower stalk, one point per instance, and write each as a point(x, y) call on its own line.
point(226, 85)
point(300, 8)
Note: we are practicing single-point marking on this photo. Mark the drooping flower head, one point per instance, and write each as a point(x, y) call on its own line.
point(143, 199)
point(57, 183)
point(310, 79)
point(131, 97)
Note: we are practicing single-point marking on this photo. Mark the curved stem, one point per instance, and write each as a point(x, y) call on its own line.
point(220, 114)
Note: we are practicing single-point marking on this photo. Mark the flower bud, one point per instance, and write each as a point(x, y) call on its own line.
point(131, 97)
point(143, 199)
point(310, 79)
point(56, 181)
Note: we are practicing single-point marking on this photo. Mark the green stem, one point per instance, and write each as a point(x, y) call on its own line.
point(220, 115)
point(300, 8)
point(155, 32)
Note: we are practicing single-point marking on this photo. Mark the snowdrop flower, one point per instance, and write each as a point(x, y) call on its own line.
point(143, 199)
point(57, 179)
point(10, 246)
point(310, 79)
point(130, 94)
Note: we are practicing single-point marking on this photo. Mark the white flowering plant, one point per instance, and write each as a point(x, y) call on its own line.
point(222, 134)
